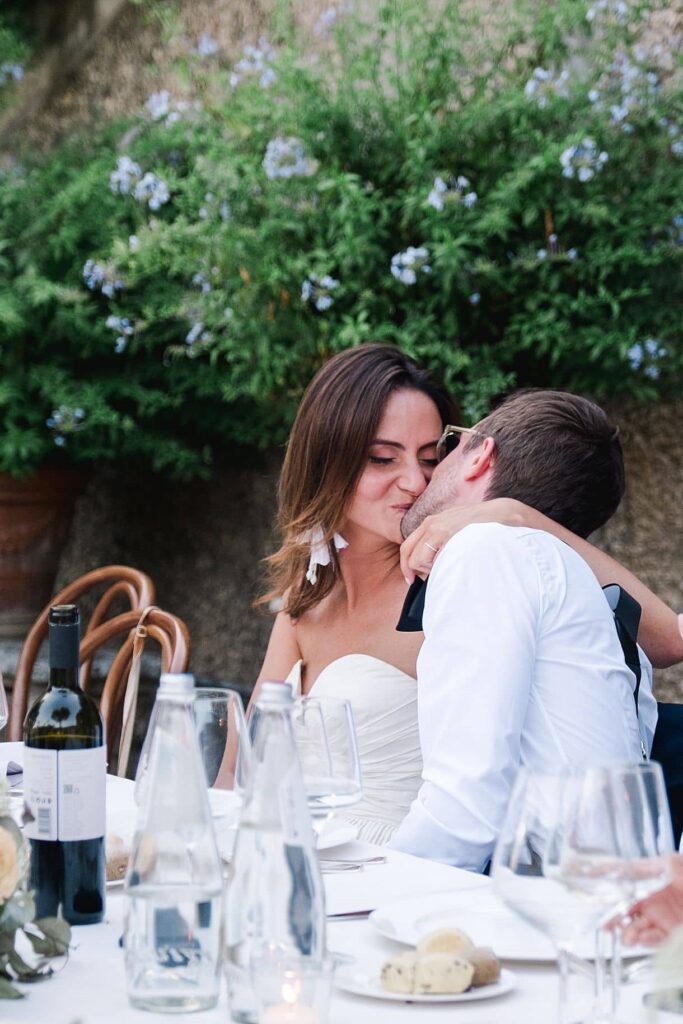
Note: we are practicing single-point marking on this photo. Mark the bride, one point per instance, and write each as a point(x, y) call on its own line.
point(361, 451)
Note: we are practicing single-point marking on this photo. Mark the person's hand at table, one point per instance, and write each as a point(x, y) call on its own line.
point(654, 918)
point(420, 549)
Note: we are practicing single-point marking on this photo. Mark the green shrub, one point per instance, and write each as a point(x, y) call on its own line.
point(503, 202)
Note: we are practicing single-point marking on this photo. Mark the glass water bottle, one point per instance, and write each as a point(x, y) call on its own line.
point(275, 902)
point(173, 930)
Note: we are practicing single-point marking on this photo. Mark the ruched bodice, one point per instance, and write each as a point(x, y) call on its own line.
point(384, 702)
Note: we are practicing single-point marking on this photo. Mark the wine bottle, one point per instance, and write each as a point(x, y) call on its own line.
point(65, 784)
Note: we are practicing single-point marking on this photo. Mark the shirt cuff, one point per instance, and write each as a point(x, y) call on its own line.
point(422, 834)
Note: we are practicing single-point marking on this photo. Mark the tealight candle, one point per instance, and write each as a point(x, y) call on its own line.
point(294, 991)
point(288, 1014)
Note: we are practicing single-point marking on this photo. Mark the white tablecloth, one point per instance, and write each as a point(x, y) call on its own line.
point(91, 987)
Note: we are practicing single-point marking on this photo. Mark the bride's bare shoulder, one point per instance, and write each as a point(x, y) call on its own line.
point(283, 649)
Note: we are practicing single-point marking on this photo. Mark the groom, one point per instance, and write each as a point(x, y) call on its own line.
point(521, 663)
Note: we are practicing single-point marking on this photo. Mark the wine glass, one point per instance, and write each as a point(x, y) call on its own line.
point(615, 846)
point(4, 712)
point(325, 736)
point(526, 866)
point(226, 754)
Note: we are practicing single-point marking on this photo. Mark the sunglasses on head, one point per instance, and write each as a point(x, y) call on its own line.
point(450, 439)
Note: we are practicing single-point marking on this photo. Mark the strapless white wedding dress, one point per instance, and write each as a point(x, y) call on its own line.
point(384, 702)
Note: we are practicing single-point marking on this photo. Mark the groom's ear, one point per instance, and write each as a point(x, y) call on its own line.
point(481, 459)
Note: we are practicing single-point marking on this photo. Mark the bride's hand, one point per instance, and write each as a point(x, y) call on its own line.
point(419, 550)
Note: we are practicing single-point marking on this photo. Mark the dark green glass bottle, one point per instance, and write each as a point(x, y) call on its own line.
point(65, 784)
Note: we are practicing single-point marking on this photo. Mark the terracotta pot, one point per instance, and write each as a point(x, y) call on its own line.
point(35, 516)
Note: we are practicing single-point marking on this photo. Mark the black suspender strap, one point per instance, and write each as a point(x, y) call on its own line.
point(627, 619)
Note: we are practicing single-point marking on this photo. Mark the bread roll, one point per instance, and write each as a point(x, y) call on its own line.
point(117, 857)
point(446, 940)
point(485, 963)
point(442, 974)
point(398, 973)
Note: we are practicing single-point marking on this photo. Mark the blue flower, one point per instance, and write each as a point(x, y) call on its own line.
point(197, 334)
point(582, 160)
point(11, 72)
point(405, 266)
point(451, 189)
point(474, 299)
point(287, 158)
point(318, 291)
point(207, 46)
point(635, 356)
point(199, 281)
point(647, 355)
point(159, 104)
point(64, 421)
point(126, 175)
point(544, 84)
point(97, 275)
point(123, 327)
point(152, 190)
point(255, 63)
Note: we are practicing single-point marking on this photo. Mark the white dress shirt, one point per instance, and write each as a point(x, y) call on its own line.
point(521, 665)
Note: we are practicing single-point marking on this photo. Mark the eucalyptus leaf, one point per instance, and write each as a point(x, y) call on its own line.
point(24, 971)
point(8, 991)
point(56, 929)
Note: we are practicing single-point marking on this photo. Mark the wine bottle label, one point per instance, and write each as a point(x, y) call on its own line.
point(65, 791)
point(40, 792)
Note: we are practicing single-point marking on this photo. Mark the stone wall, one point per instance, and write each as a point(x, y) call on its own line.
point(202, 543)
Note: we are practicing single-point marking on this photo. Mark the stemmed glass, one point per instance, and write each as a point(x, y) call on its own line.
point(226, 754)
point(326, 741)
point(615, 846)
point(526, 865)
point(578, 849)
point(4, 713)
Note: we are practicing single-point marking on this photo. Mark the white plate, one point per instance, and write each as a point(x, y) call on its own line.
point(362, 982)
point(336, 833)
point(483, 916)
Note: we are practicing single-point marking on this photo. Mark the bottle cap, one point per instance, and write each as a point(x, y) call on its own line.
point(275, 691)
point(176, 684)
point(63, 615)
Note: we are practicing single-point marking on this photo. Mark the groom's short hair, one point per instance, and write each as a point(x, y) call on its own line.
point(558, 453)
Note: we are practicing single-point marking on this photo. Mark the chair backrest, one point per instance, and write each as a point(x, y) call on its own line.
point(131, 584)
point(170, 633)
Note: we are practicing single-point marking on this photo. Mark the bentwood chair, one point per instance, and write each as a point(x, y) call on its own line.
point(118, 702)
point(122, 583)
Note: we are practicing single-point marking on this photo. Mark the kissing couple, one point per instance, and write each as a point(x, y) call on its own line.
point(517, 661)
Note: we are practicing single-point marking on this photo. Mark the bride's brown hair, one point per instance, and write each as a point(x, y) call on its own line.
point(326, 454)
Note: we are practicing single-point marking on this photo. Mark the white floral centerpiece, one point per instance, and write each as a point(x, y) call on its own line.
point(47, 937)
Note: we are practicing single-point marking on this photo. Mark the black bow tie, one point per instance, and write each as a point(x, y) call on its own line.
point(410, 620)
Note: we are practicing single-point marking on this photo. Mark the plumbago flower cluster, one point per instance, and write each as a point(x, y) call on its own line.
point(582, 160)
point(256, 64)
point(47, 938)
point(187, 271)
point(318, 291)
point(405, 266)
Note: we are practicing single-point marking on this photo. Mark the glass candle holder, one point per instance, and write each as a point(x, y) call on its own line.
point(290, 989)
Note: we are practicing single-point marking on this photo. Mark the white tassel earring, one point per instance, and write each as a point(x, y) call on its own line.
point(320, 551)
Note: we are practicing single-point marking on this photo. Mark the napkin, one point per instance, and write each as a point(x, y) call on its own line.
point(12, 771)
